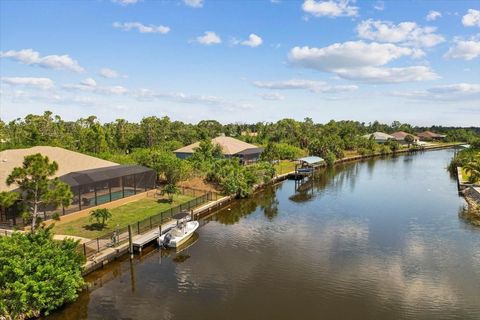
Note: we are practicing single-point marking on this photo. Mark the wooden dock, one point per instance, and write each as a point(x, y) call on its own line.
point(141, 240)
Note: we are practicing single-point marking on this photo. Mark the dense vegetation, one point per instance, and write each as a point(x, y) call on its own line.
point(38, 274)
point(469, 160)
point(151, 142)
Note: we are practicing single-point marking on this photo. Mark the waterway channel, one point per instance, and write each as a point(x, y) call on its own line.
point(377, 239)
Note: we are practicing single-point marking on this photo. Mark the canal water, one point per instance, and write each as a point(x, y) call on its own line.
point(378, 239)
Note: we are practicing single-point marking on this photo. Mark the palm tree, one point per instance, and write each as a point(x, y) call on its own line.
point(473, 169)
point(170, 190)
point(101, 215)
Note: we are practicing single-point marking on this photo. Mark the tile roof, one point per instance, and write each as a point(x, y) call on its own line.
point(229, 145)
point(68, 161)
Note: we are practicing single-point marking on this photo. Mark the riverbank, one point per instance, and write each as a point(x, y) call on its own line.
point(472, 211)
point(102, 257)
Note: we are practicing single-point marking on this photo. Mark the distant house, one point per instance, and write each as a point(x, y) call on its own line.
point(380, 137)
point(231, 147)
point(400, 137)
point(431, 136)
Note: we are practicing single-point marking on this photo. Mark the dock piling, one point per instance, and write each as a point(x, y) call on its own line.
point(130, 243)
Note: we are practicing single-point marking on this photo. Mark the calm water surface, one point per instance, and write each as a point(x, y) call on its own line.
point(379, 239)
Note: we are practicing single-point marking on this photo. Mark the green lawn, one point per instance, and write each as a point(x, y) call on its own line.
point(465, 175)
point(284, 166)
point(121, 216)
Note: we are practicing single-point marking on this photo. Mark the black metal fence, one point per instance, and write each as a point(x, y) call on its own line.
point(120, 236)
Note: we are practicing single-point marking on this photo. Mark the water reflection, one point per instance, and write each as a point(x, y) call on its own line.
point(376, 240)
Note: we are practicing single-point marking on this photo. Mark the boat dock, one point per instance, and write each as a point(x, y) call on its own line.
point(141, 240)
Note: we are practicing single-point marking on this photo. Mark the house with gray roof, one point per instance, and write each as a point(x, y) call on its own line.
point(380, 137)
point(231, 147)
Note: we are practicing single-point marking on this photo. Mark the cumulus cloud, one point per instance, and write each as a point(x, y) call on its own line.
point(357, 60)
point(299, 84)
point(151, 28)
point(464, 49)
point(126, 2)
point(31, 57)
point(110, 73)
point(449, 92)
point(193, 3)
point(472, 18)
point(209, 38)
point(252, 41)
point(41, 83)
point(274, 96)
point(331, 8)
point(433, 15)
point(406, 33)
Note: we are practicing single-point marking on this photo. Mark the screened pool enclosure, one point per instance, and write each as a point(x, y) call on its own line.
point(95, 187)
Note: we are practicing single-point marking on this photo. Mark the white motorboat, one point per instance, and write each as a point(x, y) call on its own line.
point(179, 234)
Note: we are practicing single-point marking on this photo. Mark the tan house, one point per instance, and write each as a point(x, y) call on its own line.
point(231, 147)
point(400, 137)
point(431, 136)
point(93, 181)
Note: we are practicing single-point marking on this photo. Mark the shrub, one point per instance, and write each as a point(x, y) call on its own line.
point(38, 274)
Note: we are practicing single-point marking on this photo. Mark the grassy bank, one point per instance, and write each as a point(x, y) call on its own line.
point(284, 166)
point(121, 216)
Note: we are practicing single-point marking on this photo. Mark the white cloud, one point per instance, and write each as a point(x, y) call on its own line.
point(389, 75)
point(357, 60)
point(90, 85)
point(126, 2)
point(472, 18)
point(194, 3)
point(31, 57)
point(253, 41)
point(331, 8)
point(274, 96)
point(147, 95)
point(379, 5)
point(41, 83)
point(433, 15)
point(89, 82)
point(151, 28)
point(299, 84)
point(110, 73)
point(449, 92)
point(209, 38)
point(464, 49)
point(406, 33)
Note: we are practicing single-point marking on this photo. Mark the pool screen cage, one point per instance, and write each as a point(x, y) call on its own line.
point(95, 187)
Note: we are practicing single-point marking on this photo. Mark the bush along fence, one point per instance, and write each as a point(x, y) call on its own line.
point(120, 236)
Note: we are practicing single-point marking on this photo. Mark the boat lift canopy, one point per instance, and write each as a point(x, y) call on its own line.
point(311, 161)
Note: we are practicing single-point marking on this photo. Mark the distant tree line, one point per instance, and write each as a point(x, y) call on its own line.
point(151, 141)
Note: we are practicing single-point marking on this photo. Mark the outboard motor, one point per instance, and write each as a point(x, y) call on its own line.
point(166, 239)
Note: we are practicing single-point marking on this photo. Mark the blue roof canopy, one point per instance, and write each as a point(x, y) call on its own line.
point(311, 160)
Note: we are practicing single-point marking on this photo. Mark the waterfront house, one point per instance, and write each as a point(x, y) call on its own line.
point(431, 136)
point(93, 181)
point(231, 147)
point(380, 137)
point(400, 137)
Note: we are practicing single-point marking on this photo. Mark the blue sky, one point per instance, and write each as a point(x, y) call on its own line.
point(242, 61)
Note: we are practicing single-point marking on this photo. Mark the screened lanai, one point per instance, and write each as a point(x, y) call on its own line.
point(98, 186)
